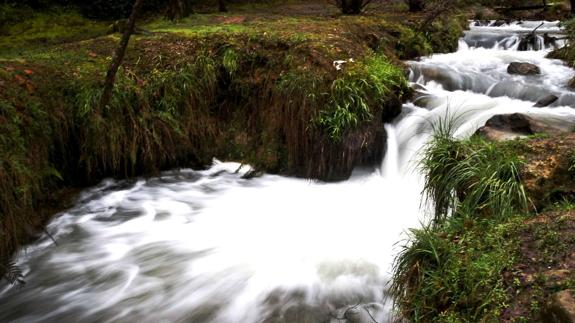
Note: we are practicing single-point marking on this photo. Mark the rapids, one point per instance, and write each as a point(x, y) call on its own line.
point(210, 246)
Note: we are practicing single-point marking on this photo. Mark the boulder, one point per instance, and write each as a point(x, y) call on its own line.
point(499, 23)
point(391, 108)
point(523, 68)
point(560, 308)
point(546, 101)
point(571, 84)
point(510, 126)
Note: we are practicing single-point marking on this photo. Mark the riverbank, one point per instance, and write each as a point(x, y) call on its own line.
point(259, 87)
point(498, 258)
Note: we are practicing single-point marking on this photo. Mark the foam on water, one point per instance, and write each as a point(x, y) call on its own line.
point(209, 246)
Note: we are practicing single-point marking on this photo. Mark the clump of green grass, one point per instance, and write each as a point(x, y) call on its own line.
point(474, 176)
point(450, 270)
point(359, 93)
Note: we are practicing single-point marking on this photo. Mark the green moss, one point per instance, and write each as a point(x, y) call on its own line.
point(45, 28)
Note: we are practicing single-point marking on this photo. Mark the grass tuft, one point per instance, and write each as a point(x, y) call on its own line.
point(359, 93)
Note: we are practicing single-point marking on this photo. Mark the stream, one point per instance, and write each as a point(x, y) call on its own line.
point(210, 246)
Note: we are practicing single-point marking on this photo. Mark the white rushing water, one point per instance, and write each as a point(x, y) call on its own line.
point(209, 246)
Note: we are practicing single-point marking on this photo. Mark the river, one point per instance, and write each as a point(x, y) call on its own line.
point(210, 246)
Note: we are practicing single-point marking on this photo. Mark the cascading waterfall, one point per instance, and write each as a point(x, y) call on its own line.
point(209, 246)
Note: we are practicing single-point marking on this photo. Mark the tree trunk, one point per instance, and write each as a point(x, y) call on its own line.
point(179, 9)
point(573, 7)
point(415, 5)
point(351, 7)
point(222, 6)
point(119, 55)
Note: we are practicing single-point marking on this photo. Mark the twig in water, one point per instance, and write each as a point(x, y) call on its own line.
point(368, 313)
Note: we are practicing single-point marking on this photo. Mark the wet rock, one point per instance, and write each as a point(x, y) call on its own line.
point(550, 40)
point(560, 308)
point(499, 23)
point(391, 108)
point(528, 42)
point(523, 68)
point(510, 126)
point(495, 134)
point(571, 84)
point(420, 96)
point(546, 101)
point(252, 173)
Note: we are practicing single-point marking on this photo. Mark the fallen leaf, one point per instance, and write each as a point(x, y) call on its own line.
point(29, 72)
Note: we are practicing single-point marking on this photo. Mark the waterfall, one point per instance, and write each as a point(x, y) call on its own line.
point(209, 246)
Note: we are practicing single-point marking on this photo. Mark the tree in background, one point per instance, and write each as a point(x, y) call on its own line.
point(351, 7)
point(573, 6)
point(178, 9)
point(222, 5)
point(415, 5)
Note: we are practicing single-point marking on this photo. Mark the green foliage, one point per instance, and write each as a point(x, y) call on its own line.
point(359, 93)
point(450, 271)
point(412, 44)
point(443, 34)
point(471, 177)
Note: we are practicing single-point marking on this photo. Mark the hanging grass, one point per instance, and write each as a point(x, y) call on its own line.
point(360, 93)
